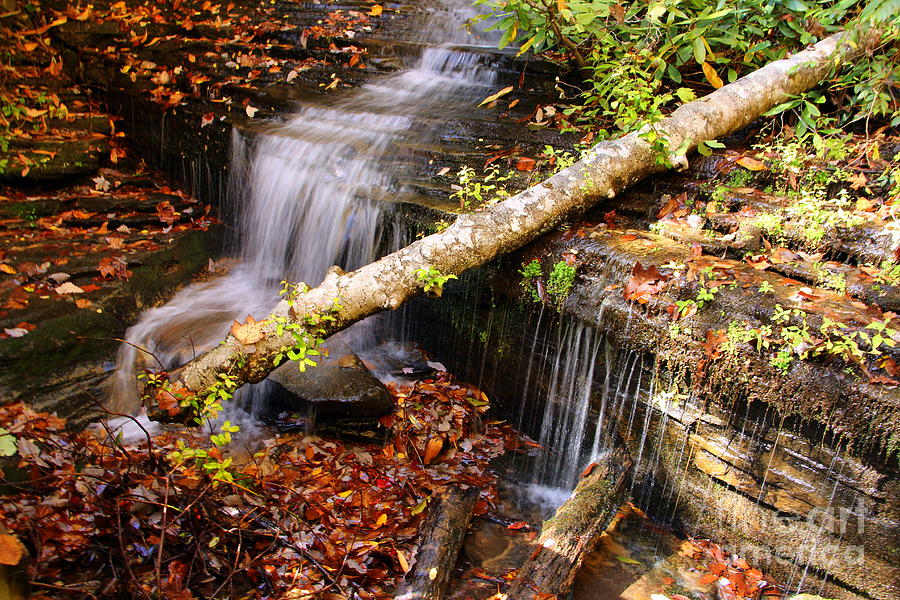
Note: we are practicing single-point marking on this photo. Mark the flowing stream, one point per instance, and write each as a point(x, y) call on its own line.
point(312, 192)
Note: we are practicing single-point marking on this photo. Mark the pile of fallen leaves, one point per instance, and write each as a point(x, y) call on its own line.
point(305, 517)
point(735, 579)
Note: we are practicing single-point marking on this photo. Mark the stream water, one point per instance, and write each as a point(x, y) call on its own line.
point(313, 192)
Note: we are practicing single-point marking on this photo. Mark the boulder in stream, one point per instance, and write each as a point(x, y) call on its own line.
point(339, 396)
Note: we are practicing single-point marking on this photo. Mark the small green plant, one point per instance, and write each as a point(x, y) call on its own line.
point(771, 224)
point(740, 178)
point(204, 409)
point(685, 306)
point(477, 191)
point(559, 284)
point(705, 294)
point(531, 274)
point(829, 279)
point(766, 288)
point(782, 360)
point(433, 280)
point(890, 273)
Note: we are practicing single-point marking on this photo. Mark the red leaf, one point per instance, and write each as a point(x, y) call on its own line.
point(166, 212)
point(518, 525)
point(610, 218)
point(644, 283)
point(673, 204)
point(114, 267)
point(524, 163)
point(711, 347)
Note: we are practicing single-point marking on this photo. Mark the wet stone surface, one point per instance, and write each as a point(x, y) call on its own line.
point(337, 389)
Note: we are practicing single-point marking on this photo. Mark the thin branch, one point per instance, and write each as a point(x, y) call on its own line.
point(120, 340)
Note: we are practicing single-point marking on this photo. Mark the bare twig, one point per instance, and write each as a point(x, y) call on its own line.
point(120, 340)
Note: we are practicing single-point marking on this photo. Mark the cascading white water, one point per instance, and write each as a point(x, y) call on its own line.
point(311, 197)
point(565, 418)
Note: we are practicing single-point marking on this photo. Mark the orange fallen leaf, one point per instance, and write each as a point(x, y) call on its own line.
point(432, 449)
point(751, 164)
point(525, 164)
point(644, 283)
point(249, 332)
point(11, 550)
point(493, 97)
point(711, 76)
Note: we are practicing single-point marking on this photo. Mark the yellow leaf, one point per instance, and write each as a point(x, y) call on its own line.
point(11, 550)
point(345, 494)
point(419, 507)
point(751, 164)
point(499, 94)
point(8, 269)
point(711, 76)
point(376, 10)
point(560, 5)
point(524, 47)
point(381, 520)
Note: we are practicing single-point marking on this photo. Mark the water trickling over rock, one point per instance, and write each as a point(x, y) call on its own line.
point(310, 193)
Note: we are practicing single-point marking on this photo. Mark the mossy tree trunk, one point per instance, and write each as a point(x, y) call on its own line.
point(442, 538)
point(568, 537)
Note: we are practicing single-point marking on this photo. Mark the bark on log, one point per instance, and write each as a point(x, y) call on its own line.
point(474, 239)
point(444, 530)
point(568, 537)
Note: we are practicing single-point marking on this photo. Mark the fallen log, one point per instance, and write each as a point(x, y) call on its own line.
point(569, 536)
point(607, 169)
point(444, 530)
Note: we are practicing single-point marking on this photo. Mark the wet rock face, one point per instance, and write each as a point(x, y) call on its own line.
point(338, 396)
point(725, 461)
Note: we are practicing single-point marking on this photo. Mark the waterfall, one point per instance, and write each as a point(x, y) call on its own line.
point(568, 401)
point(310, 193)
